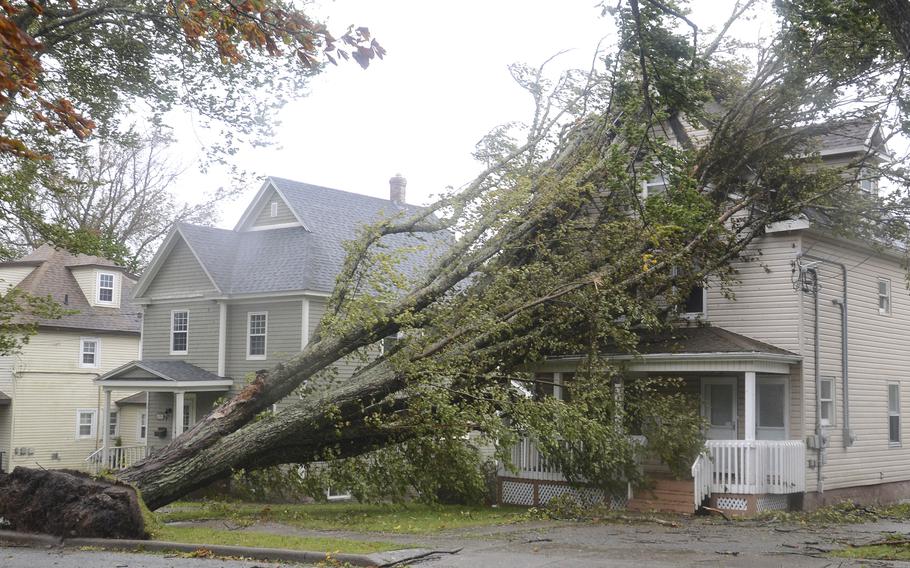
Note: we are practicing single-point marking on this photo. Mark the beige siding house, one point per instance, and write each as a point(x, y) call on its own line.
point(50, 406)
point(803, 378)
point(218, 305)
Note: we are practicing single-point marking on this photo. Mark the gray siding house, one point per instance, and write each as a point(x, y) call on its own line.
point(218, 304)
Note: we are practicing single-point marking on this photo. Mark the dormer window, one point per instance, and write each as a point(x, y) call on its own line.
point(274, 209)
point(105, 288)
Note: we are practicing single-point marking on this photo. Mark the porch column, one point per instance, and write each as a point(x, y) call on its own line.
point(106, 429)
point(750, 406)
point(222, 337)
point(178, 414)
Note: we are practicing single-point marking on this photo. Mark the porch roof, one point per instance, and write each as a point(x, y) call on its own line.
point(138, 398)
point(159, 375)
point(698, 349)
point(4, 399)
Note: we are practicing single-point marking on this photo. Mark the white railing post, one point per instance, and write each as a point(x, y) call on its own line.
point(755, 467)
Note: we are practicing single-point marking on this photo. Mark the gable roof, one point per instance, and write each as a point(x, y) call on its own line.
point(305, 258)
point(163, 370)
point(53, 277)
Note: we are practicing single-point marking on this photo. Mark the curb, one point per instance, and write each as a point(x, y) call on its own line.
point(302, 556)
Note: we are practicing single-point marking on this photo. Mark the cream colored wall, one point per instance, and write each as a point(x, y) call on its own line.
point(128, 429)
point(87, 278)
point(49, 389)
point(879, 353)
point(13, 275)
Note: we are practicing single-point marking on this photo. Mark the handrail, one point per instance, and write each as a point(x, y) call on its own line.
point(119, 457)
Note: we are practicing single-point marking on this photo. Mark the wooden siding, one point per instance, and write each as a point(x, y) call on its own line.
point(180, 274)
point(346, 367)
point(49, 388)
point(283, 336)
point(202, 349)
point(263, 217)
point(879, 354)
point(159, 402)
point(12, 275)
point(6, 429)
point(765, 305)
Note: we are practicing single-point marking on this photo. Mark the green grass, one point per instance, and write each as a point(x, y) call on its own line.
point(203, 536)
point(406, 519)
point(875, 552)
point(840, 514)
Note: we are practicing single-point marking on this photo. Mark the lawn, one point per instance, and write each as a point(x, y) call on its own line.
point(203, 536)
point(876, 552)
point(406, 519)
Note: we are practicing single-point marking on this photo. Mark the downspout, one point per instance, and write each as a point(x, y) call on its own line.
point(818, 381)
point(847, 434)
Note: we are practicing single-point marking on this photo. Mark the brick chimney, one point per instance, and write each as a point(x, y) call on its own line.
point(397, 185)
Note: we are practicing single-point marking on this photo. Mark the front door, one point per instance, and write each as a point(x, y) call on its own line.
point(718, 395)
point(772, 408)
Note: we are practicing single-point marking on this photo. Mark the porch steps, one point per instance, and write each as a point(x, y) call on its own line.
point(667, 495)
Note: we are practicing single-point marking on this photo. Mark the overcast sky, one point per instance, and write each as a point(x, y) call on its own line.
point(442, 86)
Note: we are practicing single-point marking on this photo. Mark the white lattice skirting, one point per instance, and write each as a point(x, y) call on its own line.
point(772, 503)
point(522, 493)
point(732, 504)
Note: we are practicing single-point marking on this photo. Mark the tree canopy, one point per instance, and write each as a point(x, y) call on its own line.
point(559, 252)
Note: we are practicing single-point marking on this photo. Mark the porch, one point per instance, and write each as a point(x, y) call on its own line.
point(177, 394)
point(749, 395)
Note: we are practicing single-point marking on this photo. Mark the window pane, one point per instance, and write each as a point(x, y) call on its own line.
point(894, 398)
point(771, 400)
point(695, 302)
point(545, 385)
point(721, 404)
point(894, 428)
point(257, 324)
point(826, 411)
point(179, 341)
point(180, 321)
point(826, 389)
point(257, 345)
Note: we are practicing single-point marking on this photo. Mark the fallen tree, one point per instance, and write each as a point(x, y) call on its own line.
point(555, 250)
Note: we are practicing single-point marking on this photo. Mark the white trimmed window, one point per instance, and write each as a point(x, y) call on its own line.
point(894, 414)
point(86, 419)
point(826, 398)
point(89, 352)
point(113, 424)
point(180, 332)
point(143, 426)
point(257, 330)
point(884, 296)
point(273, 211)
point(868, 182)
point(655, 186)
point(106, 287)
point(695, 302)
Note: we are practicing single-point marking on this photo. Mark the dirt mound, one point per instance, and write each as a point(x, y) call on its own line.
point(69, 504)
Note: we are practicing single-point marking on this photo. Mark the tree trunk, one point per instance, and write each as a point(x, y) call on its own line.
point(298, 434)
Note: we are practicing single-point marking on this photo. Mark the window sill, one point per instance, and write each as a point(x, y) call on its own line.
point(256, 357)
point(894, 444)
point(179, 352)
point(88, 366)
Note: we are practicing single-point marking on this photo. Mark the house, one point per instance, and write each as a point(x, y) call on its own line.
point(803, 379)
point(49, 403)
point(219, 304)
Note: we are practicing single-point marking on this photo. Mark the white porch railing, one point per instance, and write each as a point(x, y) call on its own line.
point(532, 465)
point(750, 467)
point(119, 457)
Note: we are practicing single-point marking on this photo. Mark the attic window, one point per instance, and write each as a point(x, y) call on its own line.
point(274, 209)
point(105, 287)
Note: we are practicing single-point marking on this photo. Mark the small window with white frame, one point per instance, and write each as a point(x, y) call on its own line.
point(89, 352)
point(257, 331)
point(868, 181)
point(826, 400)
point(106, 287)
point(180, 332)
point(143, 426)
point(894, 414)
point(694, 305)
point(273, 209)
point(884, 296)
point(86, 420)
point(113, 423)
